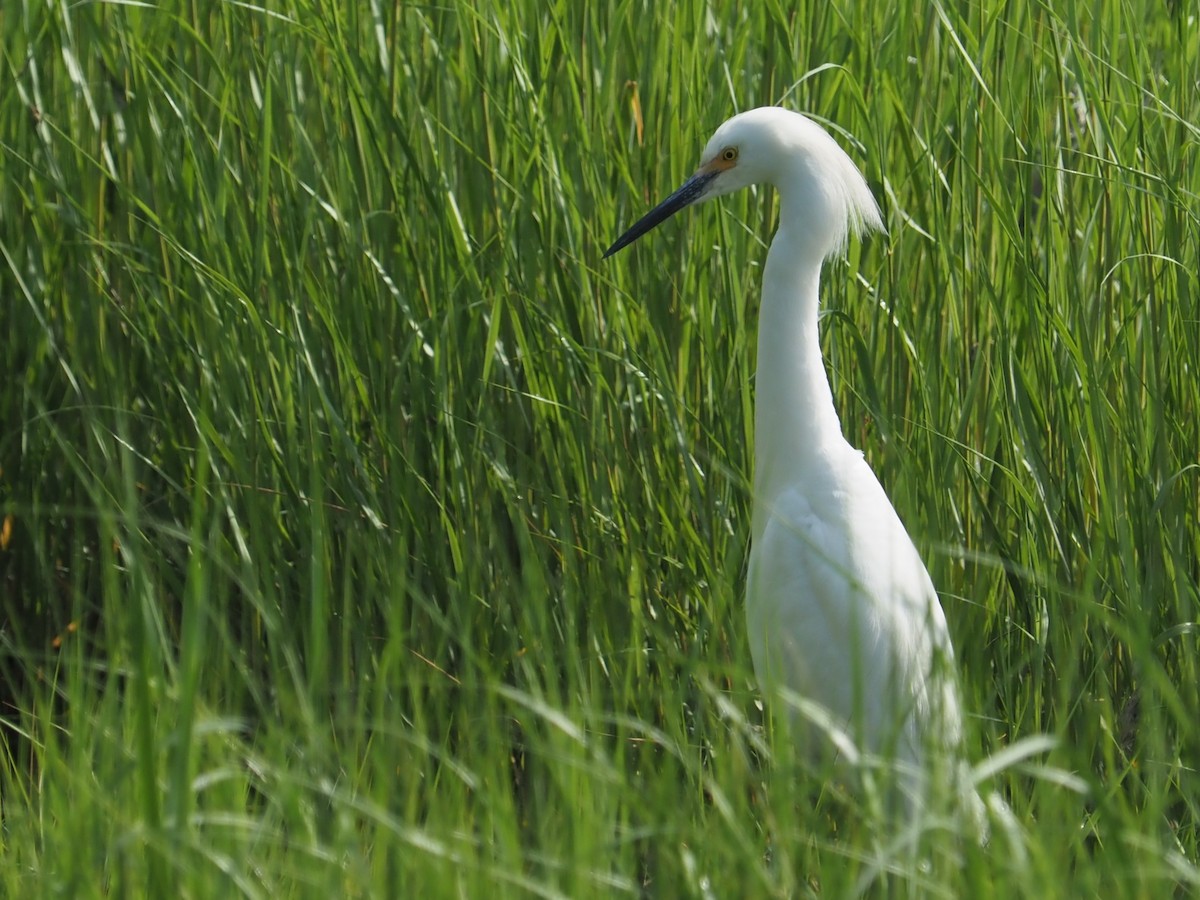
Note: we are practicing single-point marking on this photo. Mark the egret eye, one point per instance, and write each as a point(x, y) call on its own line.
point(729, 154)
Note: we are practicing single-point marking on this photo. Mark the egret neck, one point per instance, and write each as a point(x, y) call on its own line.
point(795, 421)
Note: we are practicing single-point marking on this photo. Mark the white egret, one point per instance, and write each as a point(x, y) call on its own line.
point(841, 611)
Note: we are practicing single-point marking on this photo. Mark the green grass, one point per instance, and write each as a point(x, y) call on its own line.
point(366, 535)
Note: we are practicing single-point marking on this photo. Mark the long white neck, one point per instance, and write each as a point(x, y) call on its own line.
point(795, 423)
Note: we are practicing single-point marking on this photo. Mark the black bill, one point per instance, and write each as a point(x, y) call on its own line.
point(691, 191)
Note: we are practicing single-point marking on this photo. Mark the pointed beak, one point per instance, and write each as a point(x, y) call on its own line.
point(692, 190)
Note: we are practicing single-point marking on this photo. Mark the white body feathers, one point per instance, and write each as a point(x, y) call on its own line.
point(840, 608)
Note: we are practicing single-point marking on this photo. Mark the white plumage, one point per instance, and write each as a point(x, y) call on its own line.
point(840, 609)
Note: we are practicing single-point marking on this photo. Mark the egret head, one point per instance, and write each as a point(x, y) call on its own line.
point(824, 195)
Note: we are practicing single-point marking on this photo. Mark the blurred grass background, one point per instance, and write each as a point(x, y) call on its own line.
point(364, 535)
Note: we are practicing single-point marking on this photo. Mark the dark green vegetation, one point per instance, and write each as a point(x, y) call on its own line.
point(365, 535)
